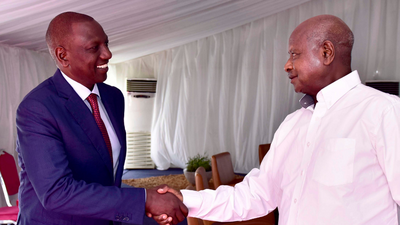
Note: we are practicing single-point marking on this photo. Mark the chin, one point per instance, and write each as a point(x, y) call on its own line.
point(101, 78)
point(296, 89)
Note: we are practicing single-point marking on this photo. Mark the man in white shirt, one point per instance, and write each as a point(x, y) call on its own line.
point(335, 160)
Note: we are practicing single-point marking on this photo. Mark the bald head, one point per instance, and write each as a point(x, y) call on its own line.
point(320, 53)
point(323, 28)
point(60, 29)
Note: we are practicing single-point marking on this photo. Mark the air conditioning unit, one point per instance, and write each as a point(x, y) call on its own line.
point(138, 119)
point(138, 145)
point(141, 85)
point(391, 87)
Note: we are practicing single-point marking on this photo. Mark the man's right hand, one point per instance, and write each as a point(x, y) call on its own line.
point(165, 188)
point(165, 203)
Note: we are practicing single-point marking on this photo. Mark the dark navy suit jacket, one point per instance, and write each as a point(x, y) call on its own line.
point(66, 171)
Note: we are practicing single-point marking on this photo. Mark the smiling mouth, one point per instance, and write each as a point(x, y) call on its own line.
point(102, 66)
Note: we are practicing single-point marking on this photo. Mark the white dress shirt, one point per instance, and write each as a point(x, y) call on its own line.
point(83, 93)
point(337, 163)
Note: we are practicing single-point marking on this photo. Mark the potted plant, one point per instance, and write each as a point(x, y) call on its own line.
point(194, 163)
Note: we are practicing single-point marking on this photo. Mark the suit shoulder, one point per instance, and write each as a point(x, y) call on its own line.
point(40, 92)
point(46, 86)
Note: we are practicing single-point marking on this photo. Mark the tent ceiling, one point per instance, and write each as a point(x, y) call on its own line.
point(135, 27)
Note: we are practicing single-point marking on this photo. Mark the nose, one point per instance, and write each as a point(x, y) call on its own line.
point(106, 53)
point(288, 66)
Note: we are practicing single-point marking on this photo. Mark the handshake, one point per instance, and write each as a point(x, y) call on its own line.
point(165, 205)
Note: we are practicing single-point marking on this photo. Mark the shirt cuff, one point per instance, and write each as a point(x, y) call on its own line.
point(192, 199)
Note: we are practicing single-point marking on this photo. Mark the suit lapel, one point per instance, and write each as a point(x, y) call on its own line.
point(111, 109)
point(81, 114)
point(116, 118)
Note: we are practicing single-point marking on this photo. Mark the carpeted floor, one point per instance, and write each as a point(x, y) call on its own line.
point(176, 181)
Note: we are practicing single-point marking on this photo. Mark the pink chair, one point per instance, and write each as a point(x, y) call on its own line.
point(9, 182)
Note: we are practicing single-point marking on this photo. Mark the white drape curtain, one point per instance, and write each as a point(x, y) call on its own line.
point(20, 71)
point(228, 92)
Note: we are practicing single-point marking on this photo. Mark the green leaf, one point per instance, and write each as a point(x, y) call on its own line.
point(197, 161)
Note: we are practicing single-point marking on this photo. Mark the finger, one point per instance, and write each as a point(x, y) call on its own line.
point(179, 216)
point(163, 222)
point(163, 189)
point(184, 209)
point(177, 193)
point(174, 220)
point(160, 217)
point(167, 221)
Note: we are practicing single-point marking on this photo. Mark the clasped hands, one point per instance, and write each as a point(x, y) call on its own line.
point(165, 205)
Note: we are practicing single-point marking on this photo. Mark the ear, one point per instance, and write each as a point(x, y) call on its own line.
point(328, 51)
point(61, 55)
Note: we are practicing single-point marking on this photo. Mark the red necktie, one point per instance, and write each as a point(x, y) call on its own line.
point(96, 113)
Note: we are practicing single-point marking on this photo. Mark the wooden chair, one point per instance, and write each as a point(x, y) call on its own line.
point(201, 183)
point(222, 170)
point(9, 183)
point(201, 179)
point(223, 174)
point(262, 151)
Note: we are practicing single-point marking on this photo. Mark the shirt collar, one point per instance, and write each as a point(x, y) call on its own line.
point(80, 89)
point(334, 91)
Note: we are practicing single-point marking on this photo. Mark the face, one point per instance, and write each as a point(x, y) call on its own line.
point(87, 54)
point(305, 65)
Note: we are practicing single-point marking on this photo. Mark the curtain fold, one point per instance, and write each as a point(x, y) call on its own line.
point(229, 92)
point(20, 71)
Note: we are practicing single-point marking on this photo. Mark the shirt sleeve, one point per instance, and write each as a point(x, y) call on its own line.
point(249, 199)
point(388, 148)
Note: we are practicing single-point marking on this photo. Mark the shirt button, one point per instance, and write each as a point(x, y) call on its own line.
point(295, 201)
point(308, 144)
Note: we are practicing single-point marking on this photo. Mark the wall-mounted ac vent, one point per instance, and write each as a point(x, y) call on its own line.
point(137, 85)
point(391, 87)
point(138, 151)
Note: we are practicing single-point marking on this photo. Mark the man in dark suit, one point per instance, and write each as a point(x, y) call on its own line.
point(71, 138)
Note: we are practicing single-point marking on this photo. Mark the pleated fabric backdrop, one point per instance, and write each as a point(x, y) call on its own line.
point(229, 92)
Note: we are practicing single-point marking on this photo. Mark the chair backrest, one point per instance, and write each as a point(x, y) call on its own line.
point(8, 175)
point(262, 151)
point(201, 184)
point(201, 179)
point(222, 169)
